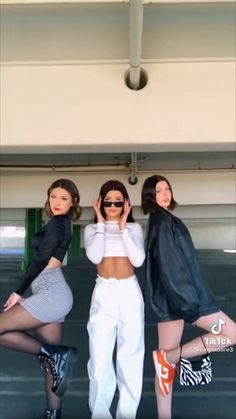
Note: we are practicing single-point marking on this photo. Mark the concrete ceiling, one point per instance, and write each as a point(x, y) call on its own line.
point(93, 31)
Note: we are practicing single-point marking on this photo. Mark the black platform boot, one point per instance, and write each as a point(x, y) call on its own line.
point(53, 414)
point(60, 360)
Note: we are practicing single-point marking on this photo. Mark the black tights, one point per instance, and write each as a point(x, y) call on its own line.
point(13, 324)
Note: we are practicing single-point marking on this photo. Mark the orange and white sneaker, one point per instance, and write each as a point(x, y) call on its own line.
point(164, 370)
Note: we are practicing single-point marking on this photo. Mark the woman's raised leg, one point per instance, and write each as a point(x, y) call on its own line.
point(224, 336)
point(13, 323)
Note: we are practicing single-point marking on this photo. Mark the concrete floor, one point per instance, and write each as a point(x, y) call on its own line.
point(21, 380)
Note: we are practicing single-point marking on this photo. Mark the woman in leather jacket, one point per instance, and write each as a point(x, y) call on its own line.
point(176, 291)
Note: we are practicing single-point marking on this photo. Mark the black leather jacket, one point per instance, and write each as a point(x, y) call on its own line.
point(175, 287)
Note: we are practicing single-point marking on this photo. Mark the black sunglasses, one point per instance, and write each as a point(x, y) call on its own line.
point(117, 204)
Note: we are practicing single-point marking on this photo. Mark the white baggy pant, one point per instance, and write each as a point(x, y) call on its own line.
point(116, 315)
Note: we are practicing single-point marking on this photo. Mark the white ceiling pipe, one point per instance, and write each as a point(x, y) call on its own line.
point(135, 41)
point(121, 168)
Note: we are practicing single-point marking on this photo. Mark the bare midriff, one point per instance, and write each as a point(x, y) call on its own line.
point(115, 267)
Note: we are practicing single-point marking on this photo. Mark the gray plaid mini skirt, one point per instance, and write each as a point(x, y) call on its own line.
point(51, 298)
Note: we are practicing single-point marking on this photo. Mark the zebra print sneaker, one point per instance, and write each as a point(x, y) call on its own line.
point(164, 370)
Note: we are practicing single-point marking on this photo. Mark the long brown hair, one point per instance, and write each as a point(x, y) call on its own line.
point(71, 188)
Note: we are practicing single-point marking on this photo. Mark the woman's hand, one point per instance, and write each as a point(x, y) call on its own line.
point(97, 206)
point(124, 216)
point(13, 299)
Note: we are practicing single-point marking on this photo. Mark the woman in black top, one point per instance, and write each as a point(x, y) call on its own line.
point(51, 298)
point(176, 291)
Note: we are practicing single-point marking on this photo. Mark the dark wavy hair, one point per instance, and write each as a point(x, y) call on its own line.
point(71, 188)
point(113, 185)
point(148, 195)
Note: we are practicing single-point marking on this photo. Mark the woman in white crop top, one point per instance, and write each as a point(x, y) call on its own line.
point(115, 244)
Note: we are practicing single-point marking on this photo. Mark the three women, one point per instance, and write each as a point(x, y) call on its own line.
point(175, 292)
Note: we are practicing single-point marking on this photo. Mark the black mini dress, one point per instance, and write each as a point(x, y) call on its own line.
point(175, 287)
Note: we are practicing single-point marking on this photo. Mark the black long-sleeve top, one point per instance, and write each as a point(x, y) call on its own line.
point(52, 240)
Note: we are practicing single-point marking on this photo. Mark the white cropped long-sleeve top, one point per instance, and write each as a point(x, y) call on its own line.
point(105, 239)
